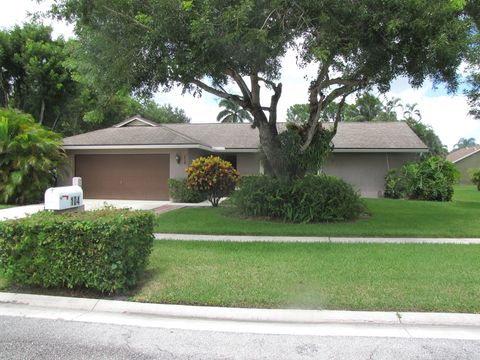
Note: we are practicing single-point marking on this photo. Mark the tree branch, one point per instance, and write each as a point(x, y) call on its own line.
point(125, 16)
point(224, 95)
point(247, 95)
point(272, 119)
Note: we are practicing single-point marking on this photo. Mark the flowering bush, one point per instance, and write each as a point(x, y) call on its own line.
point(213, 176)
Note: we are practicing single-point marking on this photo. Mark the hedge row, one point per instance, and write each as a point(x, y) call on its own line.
point(314, 198)
point(104, 250)
point(179, 192)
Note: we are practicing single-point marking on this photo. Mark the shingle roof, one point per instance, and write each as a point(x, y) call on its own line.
point(457, 155)
point(354, 136)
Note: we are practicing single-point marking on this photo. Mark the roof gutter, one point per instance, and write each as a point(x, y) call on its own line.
point(232, 150)
point(129, 147)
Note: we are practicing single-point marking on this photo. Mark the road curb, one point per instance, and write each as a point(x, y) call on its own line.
point(285, 316)
point(314, 239)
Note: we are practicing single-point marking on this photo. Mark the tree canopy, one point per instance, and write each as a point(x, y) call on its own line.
point(43, 77)
point(233, 49)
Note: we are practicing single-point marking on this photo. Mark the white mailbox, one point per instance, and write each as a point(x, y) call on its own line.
point(63, 198)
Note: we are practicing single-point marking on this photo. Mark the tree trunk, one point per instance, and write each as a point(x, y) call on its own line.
point(42, 111)
point(271, 148)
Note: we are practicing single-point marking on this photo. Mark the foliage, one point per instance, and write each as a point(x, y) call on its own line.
point(431, 179)
point(162, 113)
point(33, 74)
point(429, 138)
point(296, 162)
point(213, 176)
point(475, 177)
point(30, 158)
point(180, 192)
point(104, 250)
point(395, 185)
point(473, 59)
point(232, 113)
point(212, 45)
point(313, 198)
point(464, 143)
point(46, 78)
point(368, 107)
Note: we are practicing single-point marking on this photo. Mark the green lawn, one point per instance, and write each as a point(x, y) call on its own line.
point(397, 277)
point(4, 206)
point(394, 218)
point(407, 277)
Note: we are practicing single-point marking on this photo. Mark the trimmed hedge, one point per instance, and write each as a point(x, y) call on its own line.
point(313, 198)
point(180, 192)
point(104, 250)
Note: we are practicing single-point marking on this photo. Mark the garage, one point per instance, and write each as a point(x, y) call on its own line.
point(124, 176)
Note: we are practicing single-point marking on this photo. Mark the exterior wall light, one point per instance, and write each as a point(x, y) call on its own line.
point(178, 158)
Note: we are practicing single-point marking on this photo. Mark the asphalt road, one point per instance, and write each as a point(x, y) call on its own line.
point(27, 338)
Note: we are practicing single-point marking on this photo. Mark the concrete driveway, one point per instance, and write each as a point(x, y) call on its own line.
point(90, 204)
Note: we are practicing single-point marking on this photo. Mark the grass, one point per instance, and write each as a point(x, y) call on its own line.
point(389, 218)
point(5, 206)
point(407, 277)
point(383, 277)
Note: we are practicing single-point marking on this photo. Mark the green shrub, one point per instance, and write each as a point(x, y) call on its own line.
point(104, 250)
point(314, 198)
point(395, 186)
point(212, 176)
point(431, 179)
point(180, 192)
point(475, 177)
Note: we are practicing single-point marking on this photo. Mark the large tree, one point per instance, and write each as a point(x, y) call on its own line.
point(218, 45)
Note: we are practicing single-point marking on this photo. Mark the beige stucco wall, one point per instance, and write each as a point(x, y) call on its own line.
point(365, 171)
point(464, 166)
point(248, 163)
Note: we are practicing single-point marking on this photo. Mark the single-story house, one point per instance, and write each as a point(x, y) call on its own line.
point(135, 158)
point(465, 159)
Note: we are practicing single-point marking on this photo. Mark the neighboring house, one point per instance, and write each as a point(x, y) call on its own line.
point(135, 159)
point(465, 159)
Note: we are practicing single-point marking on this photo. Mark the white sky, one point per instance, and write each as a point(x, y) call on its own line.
point(447, 114)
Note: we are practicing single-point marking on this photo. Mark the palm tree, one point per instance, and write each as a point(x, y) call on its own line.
point(232, 113)
point(464, 143)
point(30, 155)
point(412, 112)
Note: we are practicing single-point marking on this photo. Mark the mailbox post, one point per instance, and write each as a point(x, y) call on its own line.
point(64, 198)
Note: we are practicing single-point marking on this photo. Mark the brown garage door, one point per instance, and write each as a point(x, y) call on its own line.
point(124, 177)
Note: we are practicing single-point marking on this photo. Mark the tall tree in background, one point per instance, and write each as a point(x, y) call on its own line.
point(232, 113)
point(33, 73)
point(412, 112)
point(367, 107)
point(464, 143)
point(42, 76)
point(206, 45)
